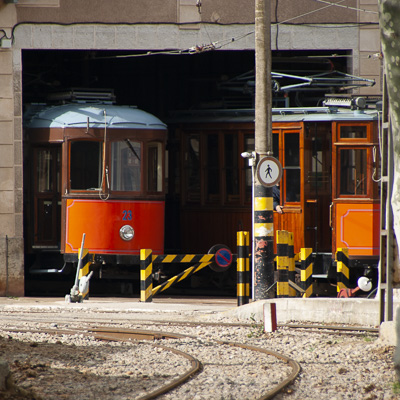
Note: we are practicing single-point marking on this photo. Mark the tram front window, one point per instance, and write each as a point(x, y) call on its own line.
point(353, 171)
point(353, 132)
point(126, 166)
point(85, 165)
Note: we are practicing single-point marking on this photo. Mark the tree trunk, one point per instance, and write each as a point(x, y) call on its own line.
point(390, 38)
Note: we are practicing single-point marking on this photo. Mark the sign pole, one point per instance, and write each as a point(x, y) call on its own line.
point(263, 269)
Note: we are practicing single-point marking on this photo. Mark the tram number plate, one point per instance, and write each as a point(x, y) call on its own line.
point(127, 215)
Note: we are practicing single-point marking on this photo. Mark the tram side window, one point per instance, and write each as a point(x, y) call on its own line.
point(154, 167)
point(231, 168)
point(192, 166)
point(126, 166)
point(212, 168)
point(249, 145)
point(292, 167)
point(85, 168)
point(353, 171)
point(44, 170)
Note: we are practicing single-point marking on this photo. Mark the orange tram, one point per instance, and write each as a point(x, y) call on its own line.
point(329, 188)
point(96, 169)
point(104, 170)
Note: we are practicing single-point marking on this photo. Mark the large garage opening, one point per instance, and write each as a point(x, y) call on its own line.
point(163, 84)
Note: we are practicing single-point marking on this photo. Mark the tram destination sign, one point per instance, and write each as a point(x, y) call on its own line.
point(269, 171)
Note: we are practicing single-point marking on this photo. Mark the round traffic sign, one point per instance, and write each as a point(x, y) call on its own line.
point(223, 257)
point(269, 171)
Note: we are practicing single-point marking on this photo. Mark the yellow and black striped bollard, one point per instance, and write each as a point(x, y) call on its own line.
point(146, 275)
point(306, 271)
point(263, 268)
point(342, 268)
point(292, 264)
point(84, 274)
point(282, 263)
point(243, 268)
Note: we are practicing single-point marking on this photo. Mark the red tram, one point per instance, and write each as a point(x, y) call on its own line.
point(96, 169)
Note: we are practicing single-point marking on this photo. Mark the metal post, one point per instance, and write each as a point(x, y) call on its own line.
point(263, 204)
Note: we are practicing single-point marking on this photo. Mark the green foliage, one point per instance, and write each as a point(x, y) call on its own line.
point(257, 329)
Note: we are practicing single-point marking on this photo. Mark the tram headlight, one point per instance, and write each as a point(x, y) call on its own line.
point(127, 233)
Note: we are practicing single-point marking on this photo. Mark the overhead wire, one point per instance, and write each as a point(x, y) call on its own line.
point(216, 45)
point(348, 7)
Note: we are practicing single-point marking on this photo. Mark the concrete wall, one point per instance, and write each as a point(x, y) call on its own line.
point(370, 63)
point(181, 11)
point(11, 231)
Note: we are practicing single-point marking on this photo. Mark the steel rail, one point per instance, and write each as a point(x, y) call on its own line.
point(286, 382)
point(196, 366)
point(351, 329)
point(128, 334)
point(117, 334)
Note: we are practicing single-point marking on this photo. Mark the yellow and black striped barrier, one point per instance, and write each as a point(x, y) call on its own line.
point(146, 279)
point(282, 263)
point(182, 258)
point(342, 268)
point(306, 271)
point(243, 268)
point(185, 274)
point(218, 259)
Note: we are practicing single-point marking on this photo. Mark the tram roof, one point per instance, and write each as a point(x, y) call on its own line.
point(314, 114)
point(301, 114)
point(78, 115)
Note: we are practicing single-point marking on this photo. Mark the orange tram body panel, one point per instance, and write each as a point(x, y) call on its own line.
point(357, 227)
point(101, 222)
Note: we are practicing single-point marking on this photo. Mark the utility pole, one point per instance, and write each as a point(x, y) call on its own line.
point(263, 269)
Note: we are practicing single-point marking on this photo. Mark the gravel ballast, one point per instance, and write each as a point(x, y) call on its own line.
point(75, 366)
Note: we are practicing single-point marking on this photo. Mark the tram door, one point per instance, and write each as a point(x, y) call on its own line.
point(355, 202)
point(288, 148)
point(46, 197)
point(317, 186)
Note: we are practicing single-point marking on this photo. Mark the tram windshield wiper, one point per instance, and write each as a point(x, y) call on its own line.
point(128, 142)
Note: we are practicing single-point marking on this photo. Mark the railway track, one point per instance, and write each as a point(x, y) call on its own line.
point(274, 371)
point(130, 368)
point(197, 366)
point(118, 319)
